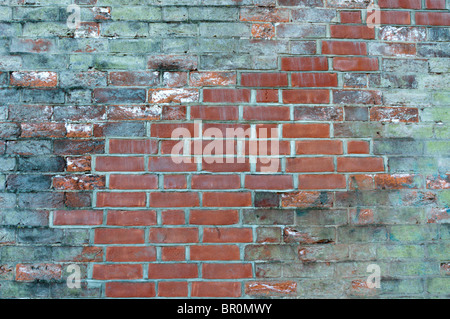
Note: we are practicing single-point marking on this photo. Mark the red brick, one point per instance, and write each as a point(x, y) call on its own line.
point(277, 182)
point(173, 217)
point(306, 97)
point(358, 147)
point(130, 254)
point(226, 95)
point(267, 96)
point(314, 79)
point(174, 199)
point(228, 199)
point(216, 182)
point(34, 79)
point(121, 200)
point(330, 181)
point(133, 147)
point(212, 78)
point(215, 252)
point(350, 16)
point(175, 182)
point(172, 289)
point(124, 164)
point(355, 64)
point(213, 217)
point(77, 199)
point(119, 236)
point(78, 217)
point(266, 113)
point(172, 271)
point(344, 48)
point(173, 253)
point(396, 181)
point(33, 272)
point(131, 218)
point(166, 130)
point(352, 32)
point(433, 18)
point(318, 113)
point(360, 164)
point(173, 235)
point(134, 78)
point(435, 4)
point(304, 64)
point(226, 271)
point(173, 112)
point(306, 130)
point(78, 182)
point(227, 235)
point(225, 167)
point(218, 113)
point(325, 147)
point(122, 271)
point(395, 17)
point(141, 181)
point(264, 79)
point(401, 4)
point(130, 289)
point(166, 164)
point(310, 164)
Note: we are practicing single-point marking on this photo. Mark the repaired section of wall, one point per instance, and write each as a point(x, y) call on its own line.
point(356, 99)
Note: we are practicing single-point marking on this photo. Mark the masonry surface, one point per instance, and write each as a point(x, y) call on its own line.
point(86, 176)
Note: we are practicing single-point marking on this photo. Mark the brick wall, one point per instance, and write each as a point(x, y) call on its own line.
point(87, 177)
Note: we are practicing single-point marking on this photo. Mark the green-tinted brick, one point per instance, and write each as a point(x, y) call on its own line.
point(413, 233)
point(438, 148)
point(213, 14)
point(125, 62)
point(141, 13)
point(135, 46)
point(439, 251)
point(399, 269)
point(5, 13)
point(125, 29)
point(36, 14)
point(439, 285)
point(401, 286)
point(400, 251)
point(175, 14)
point(369, 234)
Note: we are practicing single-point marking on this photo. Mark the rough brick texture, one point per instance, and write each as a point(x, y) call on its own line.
point(361, 116)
